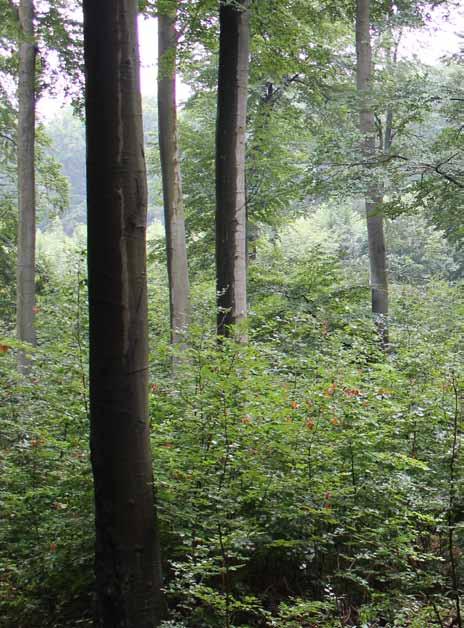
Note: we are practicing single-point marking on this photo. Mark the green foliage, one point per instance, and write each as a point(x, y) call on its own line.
point(46, 535)
point(7, 255)
point(7, 208)
point(60, 45)
point(302, 479)
point(308, 478)
point(437, 188)
point(320, 471)
point(58, 36)
point(67, 146)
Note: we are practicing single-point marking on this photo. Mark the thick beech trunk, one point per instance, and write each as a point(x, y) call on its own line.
point(231, 262)
point(374, 200)
point(127, 556)
point(170, 168)
point(25, 290)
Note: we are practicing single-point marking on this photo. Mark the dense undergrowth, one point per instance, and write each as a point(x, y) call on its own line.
point(304, 480)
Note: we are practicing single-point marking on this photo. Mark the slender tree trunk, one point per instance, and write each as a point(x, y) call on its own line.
point(170, 167)
point(231, 262)
point(263, 117)
point(25, 291)
point(127, 552)
point(391, 54)
point(374, 200)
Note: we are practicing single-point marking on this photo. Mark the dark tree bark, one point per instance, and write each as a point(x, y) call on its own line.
point(231, 247)
point(374, 199)
point(170, 167)
point(25, 291)
point(127, 554)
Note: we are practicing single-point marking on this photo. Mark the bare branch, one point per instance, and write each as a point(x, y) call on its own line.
point(8, 138)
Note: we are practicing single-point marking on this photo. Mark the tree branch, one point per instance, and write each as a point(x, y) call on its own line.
point(8, 138)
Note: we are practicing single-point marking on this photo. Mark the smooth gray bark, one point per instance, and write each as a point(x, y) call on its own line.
point(231, 254)
point(373, 199)
point(170, 167)
point(25, 270)
point(127, 561)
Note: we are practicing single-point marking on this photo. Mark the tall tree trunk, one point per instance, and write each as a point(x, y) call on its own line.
point(374, 199)
point(170, 167)
point(25, 291)
point(263, 117)
point(127, 553)
point(231, 262)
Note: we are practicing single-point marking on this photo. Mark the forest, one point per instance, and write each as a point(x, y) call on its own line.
point(231, 314)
